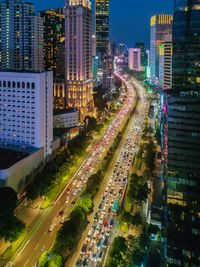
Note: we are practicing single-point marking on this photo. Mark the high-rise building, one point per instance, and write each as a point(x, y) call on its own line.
point(143, 55)
point(108, 69)
point(160, 26)
point(134, 59)
point(147, 70)
point(53, 34)
point(95, 65)
point(21, 38)
point(78, 56)
point(102, 27)
point(165, 62)
point(26, 110)
point(182, 141)
point(54, 51)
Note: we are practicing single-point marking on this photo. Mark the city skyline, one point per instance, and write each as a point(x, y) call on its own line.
point(99, 135)
point(130, 13)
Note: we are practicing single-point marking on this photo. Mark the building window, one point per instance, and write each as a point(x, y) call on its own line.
point(23, 85)
point(28, 85)
point(4, 83)
point(13, 84)
point(33, 85)
point(18, 84)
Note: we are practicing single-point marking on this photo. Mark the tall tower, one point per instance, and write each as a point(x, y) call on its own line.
point(159, 27)
point(54, 51)
point(182, 168)
point(54, 33)
point(78, 50)
point(21, 38)
point(102, 27)
point(165, 62)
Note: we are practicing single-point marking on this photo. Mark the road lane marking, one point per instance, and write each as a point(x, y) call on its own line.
point(37, 246)
point(24, 247)
point(26, 263)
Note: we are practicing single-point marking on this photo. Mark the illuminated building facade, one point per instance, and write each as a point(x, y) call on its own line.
point(134, 59)
point(21, 38)
point(53, 33)
point(165, 62)
point(108, 69)
point(143, 54)
point(54, 51)
point(102, 27)
point(182, 136)
point(160, 26)
point(78, 59)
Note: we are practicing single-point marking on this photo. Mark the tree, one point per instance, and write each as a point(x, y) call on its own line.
point(127, 217)
point(118, 252)
point(137, 219)
point(8, 202)
point(10, 227)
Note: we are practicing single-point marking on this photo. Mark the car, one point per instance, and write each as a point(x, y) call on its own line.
point(41, 249)
point(35, 264)
point(51, 228)
point(100, 256)
point(74, 182)
point(62, 220)
point(83, 249)
point(61, 212)
point(73, 202)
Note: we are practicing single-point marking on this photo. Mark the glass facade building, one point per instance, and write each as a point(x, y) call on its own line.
point(181, 142)
point(102, 27)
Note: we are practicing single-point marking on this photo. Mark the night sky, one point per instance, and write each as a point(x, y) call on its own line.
point(129, 18)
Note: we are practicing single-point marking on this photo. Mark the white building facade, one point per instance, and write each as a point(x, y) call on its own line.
point(66, 119)
point(26, 110)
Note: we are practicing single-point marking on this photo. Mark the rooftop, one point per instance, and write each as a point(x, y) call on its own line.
point(64, 111)
point(10, 157)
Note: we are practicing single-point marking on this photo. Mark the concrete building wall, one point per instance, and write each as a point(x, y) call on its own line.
point(15, 176)
point(26, 110)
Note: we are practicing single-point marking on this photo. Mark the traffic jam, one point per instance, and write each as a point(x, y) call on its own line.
point(105, 224)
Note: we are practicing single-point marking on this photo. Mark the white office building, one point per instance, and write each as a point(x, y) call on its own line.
point(68, 118)
point(26, 110)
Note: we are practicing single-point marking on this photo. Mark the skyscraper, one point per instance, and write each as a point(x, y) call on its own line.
point(54, 51)
point(165, 62)
point(26, 110)
point(102, 27)
point(160, 26)
point(53, 33)
point(108, 69)
point(78, 48)
point(134, 59)
point(182, 141)
point(21, 39)
point(143, 55)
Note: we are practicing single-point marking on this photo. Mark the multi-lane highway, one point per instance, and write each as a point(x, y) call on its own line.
point(103, 228)
point(42, 232)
